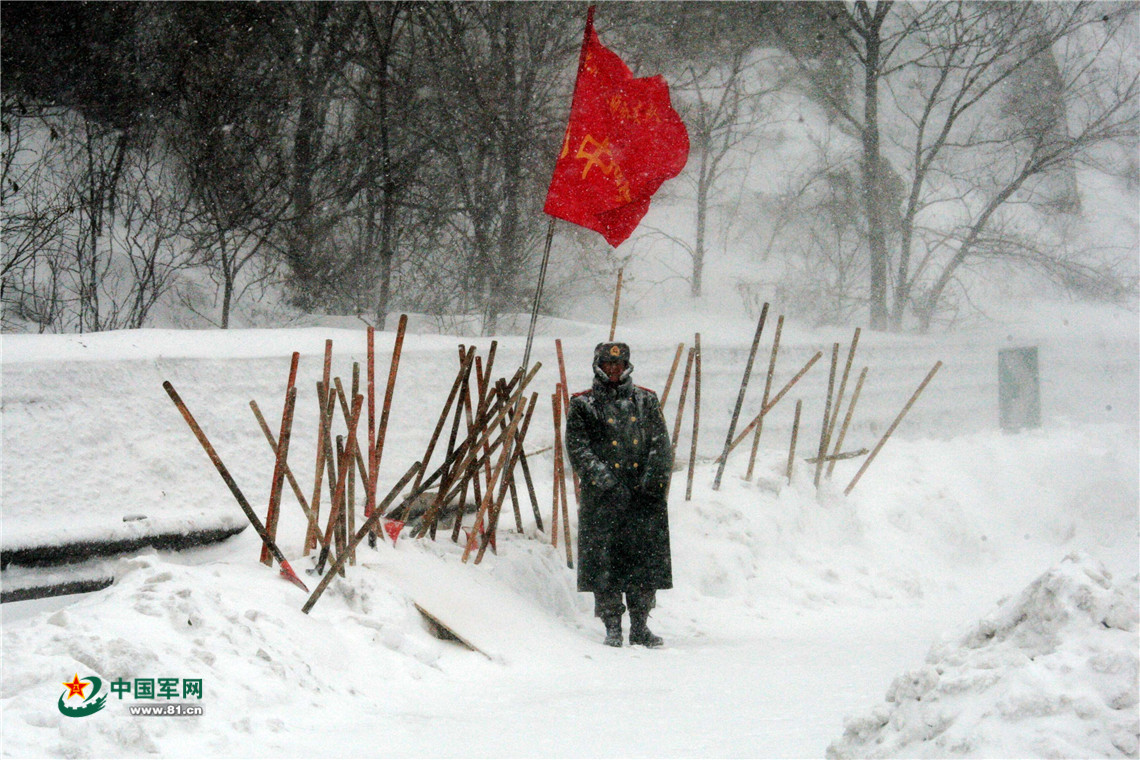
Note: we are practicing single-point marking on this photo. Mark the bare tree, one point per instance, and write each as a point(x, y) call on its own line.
point(32, 205)
point(1092, 104)
point(935, 78)
point(498, 81)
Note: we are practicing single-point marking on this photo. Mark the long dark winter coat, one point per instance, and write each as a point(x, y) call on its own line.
point(618, 444)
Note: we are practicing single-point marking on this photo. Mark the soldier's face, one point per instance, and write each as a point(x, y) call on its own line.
point(613, 370)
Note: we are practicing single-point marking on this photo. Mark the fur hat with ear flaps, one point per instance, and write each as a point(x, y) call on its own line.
point(612, 352)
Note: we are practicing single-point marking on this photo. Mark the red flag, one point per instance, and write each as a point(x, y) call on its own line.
point(623, 140)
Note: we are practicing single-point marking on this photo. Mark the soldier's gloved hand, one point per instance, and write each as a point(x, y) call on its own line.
point(651, 487)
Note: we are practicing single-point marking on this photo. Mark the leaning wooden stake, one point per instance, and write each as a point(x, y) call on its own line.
point(559, 479)
point(740, 396)
point(382, 429)
point(496, 473)
point(681, 400)
point(370, 360)
point(350, 518)
point(617, 300)
point(279, 473)
point(823, 441)
point(842, 386)
point(507, 481)
point(565, 413)
point(466, 455)
point(326, 401)
point(368, 528)
point(847, 418)
point(312, 521)
point(696, 415)
point(323, 422)
point(672, 372)
point(771, 404)
point(891, 429)
point(565, 512)
point(792, 445)
point(767, 392)
point(286, 569)
point(464, 368)
point(338, 496)
point(275, 486)
point(562, 373)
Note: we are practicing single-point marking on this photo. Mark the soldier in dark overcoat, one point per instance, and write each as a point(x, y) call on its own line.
point(618, 444)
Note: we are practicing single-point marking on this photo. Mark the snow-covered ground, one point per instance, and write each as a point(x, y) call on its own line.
point(796, 611)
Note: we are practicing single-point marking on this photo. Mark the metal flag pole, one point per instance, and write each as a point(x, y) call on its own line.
point(538, 294)
point(550, 228)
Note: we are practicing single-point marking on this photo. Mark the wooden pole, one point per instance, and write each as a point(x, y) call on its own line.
point(795, 434)
point(740, 396)
point(562, 374)
point(312, 521)
point(516, 445)
point(672, 372)
point(681, 400)
point(488, 497)
point(286, 569)
point(367, 529)
point(382, 429)
point(344, 464)
point(617, 300)
point(891, 429)
point(767, 391)
point(461, 406)
point(279, 473)
point(350, 521)
point(847, 418)
point(771, 404)
point(369, 489)
point(338, 495)
point(464, 368)
point(466, 453)
point(837, 457)
point(559, 480)
point(324, 421)
point(282, 452)
point(696, 415)
point(842, 386)
point(342, 398)
point(566, 410)
point(565, 510)
point(823, 441)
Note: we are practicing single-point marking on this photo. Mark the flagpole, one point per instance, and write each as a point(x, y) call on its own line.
point(538, 294)
point(550, 228)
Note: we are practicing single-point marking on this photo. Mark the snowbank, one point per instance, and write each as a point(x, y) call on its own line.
point(1052, 672)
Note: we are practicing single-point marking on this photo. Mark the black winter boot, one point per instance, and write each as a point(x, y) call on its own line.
point(613, 631)
point(639, 632)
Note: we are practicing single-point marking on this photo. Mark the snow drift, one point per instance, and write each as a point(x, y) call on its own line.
point(1052, 672)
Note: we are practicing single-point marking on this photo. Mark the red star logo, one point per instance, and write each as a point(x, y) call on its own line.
point(76, 687)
